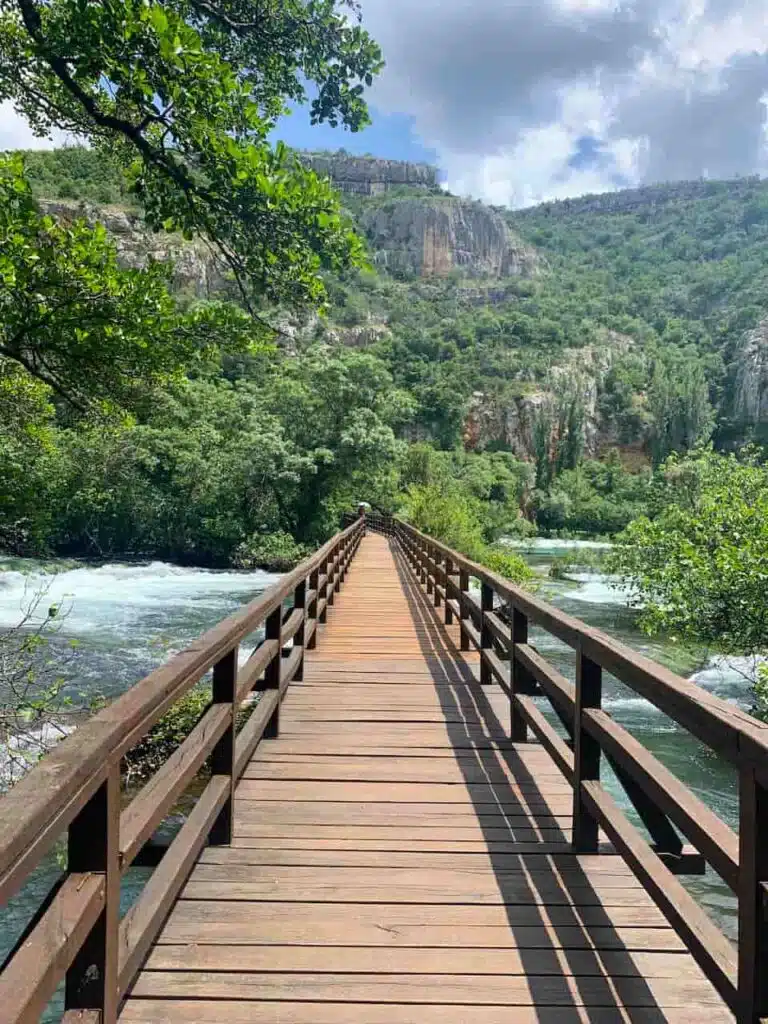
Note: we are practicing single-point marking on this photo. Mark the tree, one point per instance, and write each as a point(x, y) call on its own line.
point(187, 93)
point(90, 329)
point(697, 567)
point(679, 401)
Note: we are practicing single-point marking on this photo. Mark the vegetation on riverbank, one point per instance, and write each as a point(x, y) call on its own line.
point(696, 565)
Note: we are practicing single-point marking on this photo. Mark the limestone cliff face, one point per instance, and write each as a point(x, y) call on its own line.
point(435, 235)
point(751, 378)
point(195, 271)
point(509, 420)
point(369, 176)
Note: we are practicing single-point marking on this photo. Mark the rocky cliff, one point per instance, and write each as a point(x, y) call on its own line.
point(369, 176)
point(750, 401)
point(508, 419)
point(437, 234)
point(195, 270)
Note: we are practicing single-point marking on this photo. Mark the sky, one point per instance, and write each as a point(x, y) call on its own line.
point(520, 101)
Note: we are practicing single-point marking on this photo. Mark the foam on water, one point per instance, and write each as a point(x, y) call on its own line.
point(120, 598)
point(126, 618)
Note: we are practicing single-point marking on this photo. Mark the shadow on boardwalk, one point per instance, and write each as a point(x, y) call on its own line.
point(561, 944)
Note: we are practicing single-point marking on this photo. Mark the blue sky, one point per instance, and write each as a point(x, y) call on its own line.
point(391, 136)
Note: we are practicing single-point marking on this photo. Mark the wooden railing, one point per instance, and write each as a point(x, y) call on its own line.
point(77, 933)
point(379, 522)
point(497, 626)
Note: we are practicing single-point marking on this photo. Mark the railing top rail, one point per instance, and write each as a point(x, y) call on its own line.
point(730, 731)
point(39, 806)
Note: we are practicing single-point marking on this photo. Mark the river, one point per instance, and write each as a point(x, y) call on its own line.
point(126, 619)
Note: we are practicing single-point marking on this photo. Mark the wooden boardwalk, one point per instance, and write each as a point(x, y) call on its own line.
point(398, 861)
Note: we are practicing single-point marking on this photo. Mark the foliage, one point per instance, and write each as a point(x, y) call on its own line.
point(760, 689)
point(697, 565)
point(187, 93)
point(151, 752)
point(33, 704)
point(276, 552)
point(77, 172)
point(447, 512)
point(90, 329)
point(595, 498)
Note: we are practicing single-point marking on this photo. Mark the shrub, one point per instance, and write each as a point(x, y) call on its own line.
point(276, 552)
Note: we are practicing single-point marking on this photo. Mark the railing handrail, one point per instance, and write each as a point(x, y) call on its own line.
point(734, 733)
point(75, 789)
point(663, 803)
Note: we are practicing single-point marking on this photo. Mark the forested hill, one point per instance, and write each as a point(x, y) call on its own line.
point(541, 350)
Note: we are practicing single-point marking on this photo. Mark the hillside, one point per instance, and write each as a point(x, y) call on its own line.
point(525, 345)
point(487, 315)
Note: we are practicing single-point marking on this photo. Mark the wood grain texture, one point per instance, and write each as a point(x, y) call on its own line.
point(398, 860)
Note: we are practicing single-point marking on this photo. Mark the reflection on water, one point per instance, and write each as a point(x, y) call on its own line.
point(593, 597)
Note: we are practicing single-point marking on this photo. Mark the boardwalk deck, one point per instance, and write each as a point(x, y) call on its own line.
point(397, 860)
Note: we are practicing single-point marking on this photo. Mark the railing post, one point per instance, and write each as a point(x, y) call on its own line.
point(324, 570)
point(223, 754)
point(438, 558)
point(753, 905)
point(464, 612)
point(428, 550)
point(448, 580)
point(486, 637)
point(300, 601)
point(274, 631)
point(586, 758)
point(518, 678)
point(93, 845)
point(423, 570)
point(339, 574)
point(330, 587)
point(312, 609)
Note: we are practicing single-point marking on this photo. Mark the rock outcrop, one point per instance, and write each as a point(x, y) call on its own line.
point(750, 398)
point(368, 176)
point(437, 234)
point(508, 419)
point(195, 270)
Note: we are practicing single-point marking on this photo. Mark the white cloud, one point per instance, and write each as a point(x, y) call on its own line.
point(508, 91)
point(15, 132)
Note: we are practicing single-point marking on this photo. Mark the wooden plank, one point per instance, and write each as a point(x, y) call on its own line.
point(507, 890)
point(364, 960)
point(473, 990)
point(500, 861)
point(385, 840)
point(168, 1011)
point(473, 794)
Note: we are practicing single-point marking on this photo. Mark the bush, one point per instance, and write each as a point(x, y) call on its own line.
point(506, 563)
point(447, 513)
point(275, 552)
point(166, 735)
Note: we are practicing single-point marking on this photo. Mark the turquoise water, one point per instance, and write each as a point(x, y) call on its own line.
point(125, 620)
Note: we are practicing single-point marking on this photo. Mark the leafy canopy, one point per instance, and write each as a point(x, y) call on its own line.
point(698, 565)
point(90, 329)
point(187, 92)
